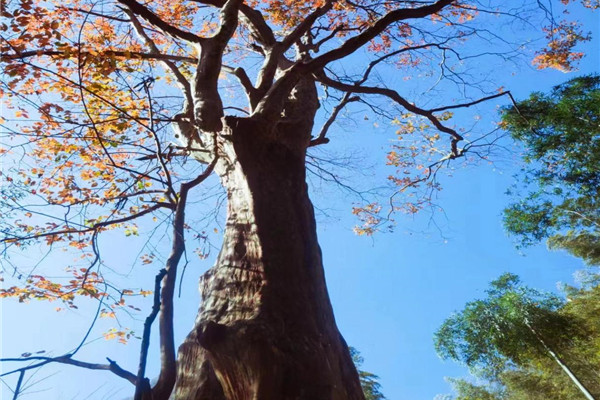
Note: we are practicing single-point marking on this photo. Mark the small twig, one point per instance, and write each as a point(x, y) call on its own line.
point(19, 383)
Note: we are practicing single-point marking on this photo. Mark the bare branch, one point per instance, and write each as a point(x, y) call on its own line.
point(395, 96)
point(96, 14)
point(321, 139)
point(472, 103)
point(166, 379)
point(19, 383)
point(112, 366)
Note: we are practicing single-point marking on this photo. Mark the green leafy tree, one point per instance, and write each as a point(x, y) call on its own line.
point(368, 381)
point(516, 330)
point(561, 135)
point(466, 390)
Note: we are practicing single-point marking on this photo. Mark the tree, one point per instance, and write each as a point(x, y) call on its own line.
point(561, 135)
point(91, 151)
point(368, 381)
point(522, 339)
point(466, 390)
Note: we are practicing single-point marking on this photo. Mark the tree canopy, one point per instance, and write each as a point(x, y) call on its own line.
point(506, 338)
point(559, 188)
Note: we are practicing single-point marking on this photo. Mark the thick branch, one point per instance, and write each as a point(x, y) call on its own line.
point(208, 107)
point(257, 24)
point(356, 42)
point(244, 79)
point(270, 105)
point(156, 21)
point(254, 20)
point(229, 21)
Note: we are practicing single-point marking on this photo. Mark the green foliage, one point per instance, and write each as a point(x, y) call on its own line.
point(368, 381)
point(582, 245)
point(492, 338)
point(561, 135)
point(492, 334)
point(466, 390)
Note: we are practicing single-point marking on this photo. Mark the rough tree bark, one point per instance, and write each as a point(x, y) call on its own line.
point(265, 329)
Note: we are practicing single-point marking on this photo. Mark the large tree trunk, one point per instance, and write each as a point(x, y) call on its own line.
point(265, 329)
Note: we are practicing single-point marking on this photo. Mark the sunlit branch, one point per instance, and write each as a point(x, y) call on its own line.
point(254, 20)
point(208, 106)
point(243, 78)
point(270, 106)
point(257, 24)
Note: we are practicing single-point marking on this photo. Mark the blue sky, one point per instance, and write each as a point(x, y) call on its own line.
point(390, 292)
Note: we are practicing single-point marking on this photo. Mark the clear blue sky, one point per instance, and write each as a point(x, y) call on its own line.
point(390, 293)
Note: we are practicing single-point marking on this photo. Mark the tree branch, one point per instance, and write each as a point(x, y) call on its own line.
point(95, 227)
point(305, 25)
point(472, 103)
point(156, 21)
point(395, 96)
point(106, 53)
point(141, 385)
point(356, 42)
point(112, 366)
point(321, 139)
point(208, 106)
point(254, 21)
point(167, 377)
point(169, 65)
